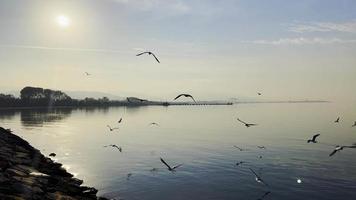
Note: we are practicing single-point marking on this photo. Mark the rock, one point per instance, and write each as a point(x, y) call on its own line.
point(25, 173)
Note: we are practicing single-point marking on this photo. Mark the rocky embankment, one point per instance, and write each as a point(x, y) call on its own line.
point(27, 174)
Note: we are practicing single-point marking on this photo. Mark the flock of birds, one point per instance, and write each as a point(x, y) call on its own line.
point(258, 177)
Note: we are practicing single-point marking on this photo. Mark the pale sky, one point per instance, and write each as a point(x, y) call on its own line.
point(286, 49)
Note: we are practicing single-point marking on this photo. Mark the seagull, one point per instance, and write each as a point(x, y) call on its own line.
point(149, 53)
point(337, 120)
point(314, 139)
point(259, 93)
point(264, 195)
point(246, 124)
point(114, 146)
point(240, 163)
point(120, 120)
point(238, 148)
point(339, 148)
point(169, 167)
point(153, 170)
point(154, 123)
point(111, 129)
point(128, 176)
point(261, 147)
point(185, 95)
point(86, 73)
point(52, 154)
point(354, 124)
point(258, 178)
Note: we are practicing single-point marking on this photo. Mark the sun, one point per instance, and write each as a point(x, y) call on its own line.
point(63, 21)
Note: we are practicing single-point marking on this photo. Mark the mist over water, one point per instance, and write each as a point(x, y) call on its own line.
point(202, 138)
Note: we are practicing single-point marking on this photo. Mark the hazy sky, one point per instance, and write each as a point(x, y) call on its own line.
point(303, 49)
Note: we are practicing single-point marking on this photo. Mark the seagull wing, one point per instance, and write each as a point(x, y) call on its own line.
point(175, 167)
point(241, 121)
point(164, 162)
point(142, 53)
point(238, 147)
point(177, 97)
point(252, 124)
point(155, 57)
point(120, 120)
point(315, 136)
point(254, 173)
point(332, 153)
point(191, 97)
point(267, 193)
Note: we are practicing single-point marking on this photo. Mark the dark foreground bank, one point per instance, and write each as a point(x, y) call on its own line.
point(27, 174)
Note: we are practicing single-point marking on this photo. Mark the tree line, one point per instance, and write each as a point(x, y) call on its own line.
point(39, 97)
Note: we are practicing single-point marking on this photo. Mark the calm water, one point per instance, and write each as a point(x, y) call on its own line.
point(201, 138)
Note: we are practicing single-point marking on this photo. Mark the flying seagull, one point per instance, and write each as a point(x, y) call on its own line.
point(52, 154)
point(246, 124)
point(112, 129)
point(86, 73)
point(120, 120)
point(264, 195)
point(153, 123)
point(185, 95)
point(259, 93)
point(337, 120)
point(258, 178)
point(313, 140)
point(354, 124)
point(238, 148)
point(114, 146)
point(169, 167)
point(261, 147)
point(240, 163)
point(149, 53)
point(128, 176)
point(339, 148)
point(153, 169)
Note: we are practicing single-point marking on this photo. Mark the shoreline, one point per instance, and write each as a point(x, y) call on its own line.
point(25, 173)
point(163, 104)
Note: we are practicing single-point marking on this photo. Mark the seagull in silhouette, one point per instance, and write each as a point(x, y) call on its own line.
point(240, 163)
point(153, 123)
point(153, 170)
point(313, 140)
point(120, 120)
point(86, 73)
point(185, 95)
point(169, 167)
point(112, 129)
point(339, 148)
point(239, 148)
point(258, 178)
point(149, 53)
point(337, 120)
point(114, 146)
point(246, 124)
point(259, 93)
point(128, 176)
point(264, 195)
point(354, 124)
point(52, 154)
point(261, 147)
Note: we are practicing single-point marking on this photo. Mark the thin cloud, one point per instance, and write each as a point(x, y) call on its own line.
point(63, 49)
point(346, 27)
point(176, 6)
point(302, 41)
